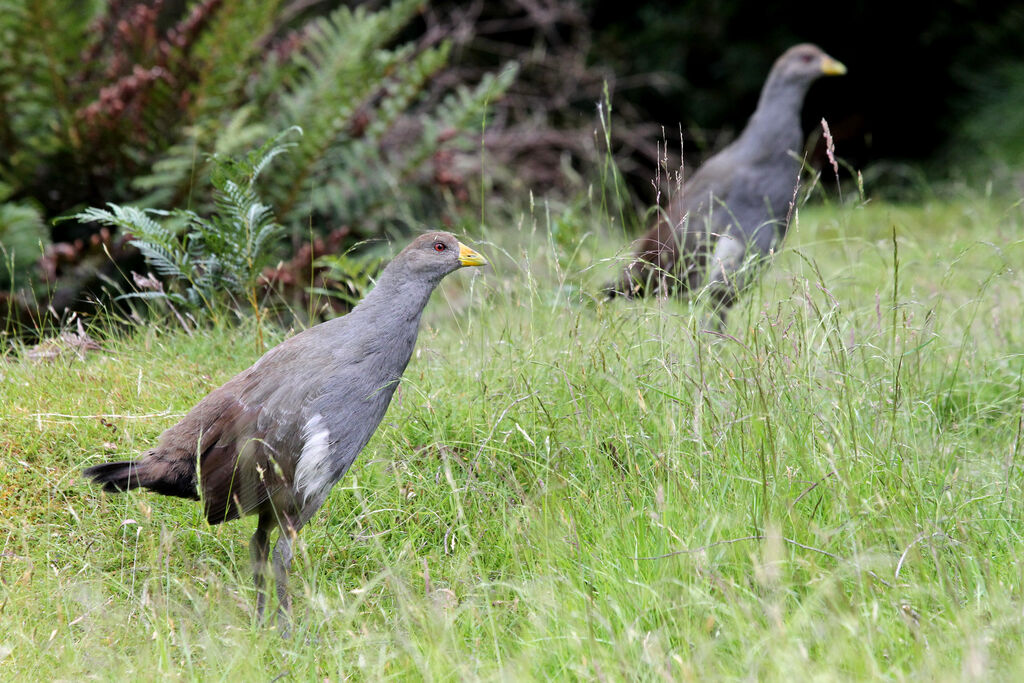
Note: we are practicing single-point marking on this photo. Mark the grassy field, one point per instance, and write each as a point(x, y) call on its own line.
point(565, 488)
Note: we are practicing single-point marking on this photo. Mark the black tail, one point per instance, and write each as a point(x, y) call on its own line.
point(625, 287)
point(154, 475)
point(115, 476)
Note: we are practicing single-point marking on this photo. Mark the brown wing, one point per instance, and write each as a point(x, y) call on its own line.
point(673, 253)
point(222, 447)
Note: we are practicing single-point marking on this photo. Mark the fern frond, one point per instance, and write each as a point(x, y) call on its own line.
point(404, 86)
point(339, 67)
point(158, 244)
point(22, 236)
point(466, 108)
point(261, 158)
point(358, 182)
point(184, 165)
point(234, 40)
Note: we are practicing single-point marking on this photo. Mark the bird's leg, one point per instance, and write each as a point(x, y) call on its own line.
point(282, 564)
point(716, 319)
point(723, 294)
point(259, 549)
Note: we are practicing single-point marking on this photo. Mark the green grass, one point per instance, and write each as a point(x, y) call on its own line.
point(571, 489)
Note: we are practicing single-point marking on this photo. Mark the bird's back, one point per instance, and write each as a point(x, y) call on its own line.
point(740, 189)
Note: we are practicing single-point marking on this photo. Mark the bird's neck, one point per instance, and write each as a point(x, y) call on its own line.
point(395, 300)
point(777, 117)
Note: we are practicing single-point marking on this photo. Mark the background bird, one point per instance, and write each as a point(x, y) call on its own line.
point(274, 439)
point(735, 209)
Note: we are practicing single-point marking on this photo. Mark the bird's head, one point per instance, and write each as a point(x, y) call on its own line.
point(805, 63)
point(437, 254)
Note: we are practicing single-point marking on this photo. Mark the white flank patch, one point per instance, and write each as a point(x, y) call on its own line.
point(313, 473)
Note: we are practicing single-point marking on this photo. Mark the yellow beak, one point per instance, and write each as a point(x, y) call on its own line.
point(832, 67)
point(468, 257)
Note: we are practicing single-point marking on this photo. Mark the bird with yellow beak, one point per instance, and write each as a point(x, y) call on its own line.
point(274, 439)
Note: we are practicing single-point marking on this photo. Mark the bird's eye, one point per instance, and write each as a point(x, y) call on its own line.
point(439, 246)
point(806, 58)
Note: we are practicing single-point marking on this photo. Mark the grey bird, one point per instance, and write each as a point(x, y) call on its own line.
point(275, 438)
point(735, 209)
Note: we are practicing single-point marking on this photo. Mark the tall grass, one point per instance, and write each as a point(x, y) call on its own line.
point(567, 488)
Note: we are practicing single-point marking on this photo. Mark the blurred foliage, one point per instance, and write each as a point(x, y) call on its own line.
point(354, 275)
point(121, 102)
point(992, 122)
point(688, 73)
point(22, 238)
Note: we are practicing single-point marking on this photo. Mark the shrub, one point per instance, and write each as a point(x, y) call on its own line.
point(129, 102)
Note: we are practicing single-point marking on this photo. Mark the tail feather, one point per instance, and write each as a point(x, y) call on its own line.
point(624, 287)
point(116, 477)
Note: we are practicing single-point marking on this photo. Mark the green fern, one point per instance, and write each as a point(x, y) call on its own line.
point(353, 274)
point(347, 89)
point(204, 257)
point(39, 42)
point(360, 181)
point(225, 54)
point(182, 167)
point(341, 67)
point(21, 239)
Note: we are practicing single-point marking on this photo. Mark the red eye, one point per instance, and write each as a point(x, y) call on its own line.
point(439, 246)
point(806, 58)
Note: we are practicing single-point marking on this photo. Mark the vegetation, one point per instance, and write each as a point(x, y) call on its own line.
point(568, 488)
point(211, 257)
point(21, 235)
point(125, 102)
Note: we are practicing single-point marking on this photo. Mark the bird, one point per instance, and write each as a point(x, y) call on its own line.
point(735, 209)
point(274, 439)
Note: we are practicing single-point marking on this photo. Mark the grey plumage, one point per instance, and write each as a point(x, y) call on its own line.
point(735, 208)
point(274, 439)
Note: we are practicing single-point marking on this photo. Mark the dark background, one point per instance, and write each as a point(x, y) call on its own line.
point(933, 89)
point(913, 67)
